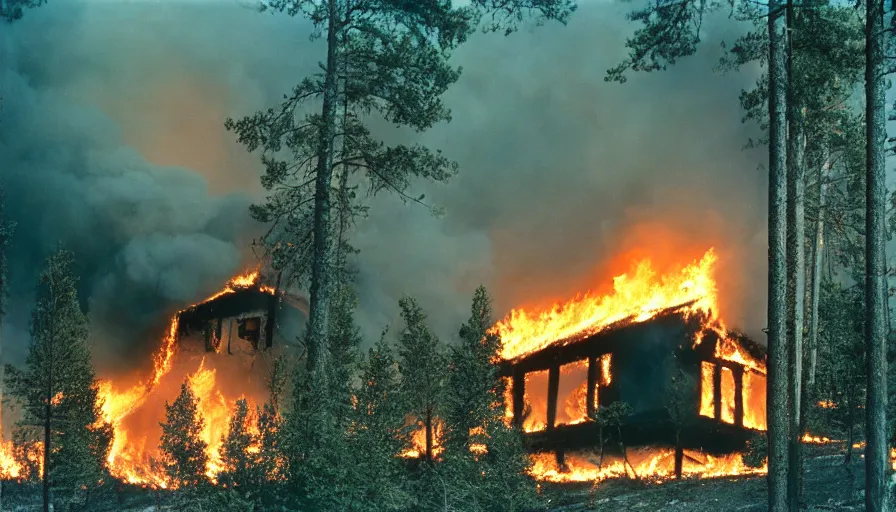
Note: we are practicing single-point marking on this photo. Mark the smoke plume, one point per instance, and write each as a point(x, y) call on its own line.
point(112, 141)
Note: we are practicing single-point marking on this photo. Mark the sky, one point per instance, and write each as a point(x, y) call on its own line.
point(112, 141)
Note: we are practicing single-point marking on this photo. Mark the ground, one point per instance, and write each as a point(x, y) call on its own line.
point(829, 485)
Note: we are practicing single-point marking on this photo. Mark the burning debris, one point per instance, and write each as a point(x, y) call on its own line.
point(569, 364)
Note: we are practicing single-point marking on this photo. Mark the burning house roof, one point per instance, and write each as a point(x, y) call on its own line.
point(565, 363)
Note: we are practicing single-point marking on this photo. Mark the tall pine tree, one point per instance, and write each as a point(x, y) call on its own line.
point(381, 56)
point(58, 390)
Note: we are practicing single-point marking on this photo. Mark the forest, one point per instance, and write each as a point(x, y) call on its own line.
point(414, 420)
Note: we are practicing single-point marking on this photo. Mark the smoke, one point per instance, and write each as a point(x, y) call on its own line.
point(565, 178)
point(112, 141)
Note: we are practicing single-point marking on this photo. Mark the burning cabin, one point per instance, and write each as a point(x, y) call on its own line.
point(691, 384)
point(245, 313)
point(555, 392)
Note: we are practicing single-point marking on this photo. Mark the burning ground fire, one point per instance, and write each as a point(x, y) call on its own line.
point(649, 464)
point(638, 296)
point(134, 411)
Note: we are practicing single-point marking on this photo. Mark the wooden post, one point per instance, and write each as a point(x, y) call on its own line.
point(593, 372)
point(560, 455)
point(519, 396)
point(739, 396)
point(553, 389)
point(717, 390)
point(273, 300)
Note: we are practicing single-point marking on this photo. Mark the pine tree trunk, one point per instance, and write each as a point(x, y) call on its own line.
point(796, 265)
point(318, 317)
point(777, 402)
point(875, 273)
point(796, 270)
point(428, 427)
point(817, 257)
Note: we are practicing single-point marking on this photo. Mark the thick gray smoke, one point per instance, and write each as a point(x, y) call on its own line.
point(112, 141)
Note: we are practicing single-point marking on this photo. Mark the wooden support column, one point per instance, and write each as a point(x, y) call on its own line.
point(273, 301)
point(593, 372)
point(738, 396)
point(717, 390)
point(553, 389)
point(519, 396)
point(561, 460)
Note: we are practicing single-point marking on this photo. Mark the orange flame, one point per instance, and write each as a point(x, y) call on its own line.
point(131, 457)
point(638, 295)
point(653, 464)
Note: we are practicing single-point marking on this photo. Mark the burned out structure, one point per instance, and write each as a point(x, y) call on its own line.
point(253, 315)
point(689, 386)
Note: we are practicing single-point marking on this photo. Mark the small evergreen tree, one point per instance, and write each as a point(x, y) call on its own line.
point(240, 454)
point(184, 456)
point(58, 389)
point(485, 460)
point(375, 436)
point(421, 363)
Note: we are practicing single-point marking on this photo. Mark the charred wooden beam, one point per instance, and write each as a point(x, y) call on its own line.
point(273, 301)
point(704, 434)
point(553, 390)
point(519, 396)
point(717, 391)
point(560, 455)
point(593, 372)
point(738, 396)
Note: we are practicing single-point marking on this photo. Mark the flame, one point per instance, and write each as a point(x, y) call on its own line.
point(536, 404)
point(606, 378)
point(827, 404)
point(131, 456)
point(418, 441)
point(727, 395)
point(573, 393)
point(707, 400)
point(215, 413)
point(810, 439)
point(655, 464)
point(754, 401)
point(638, 295)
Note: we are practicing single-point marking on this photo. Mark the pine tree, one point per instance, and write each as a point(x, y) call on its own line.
point(485, 460)
point(270, 427)
point(58, 389)
point(241, 449)
point(421, 363)
point(375, 436)
point(876, 323)
point(184, 457)
point(381, 56)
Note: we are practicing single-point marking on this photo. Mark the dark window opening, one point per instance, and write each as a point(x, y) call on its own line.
point(249, 329)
